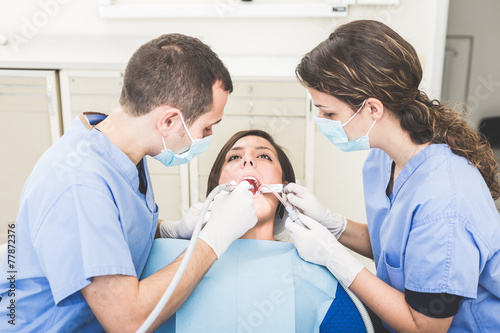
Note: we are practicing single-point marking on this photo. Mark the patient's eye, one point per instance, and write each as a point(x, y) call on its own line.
point(265, 156)
point(233, 157)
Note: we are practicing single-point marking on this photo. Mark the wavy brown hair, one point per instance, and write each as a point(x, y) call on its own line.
point(365, 58)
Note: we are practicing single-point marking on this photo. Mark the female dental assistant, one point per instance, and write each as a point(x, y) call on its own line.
point(433, 229)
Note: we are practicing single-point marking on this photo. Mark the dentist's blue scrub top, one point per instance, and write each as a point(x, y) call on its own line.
point(438, 232)
point(81, 215)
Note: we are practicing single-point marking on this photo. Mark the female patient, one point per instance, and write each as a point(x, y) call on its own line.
point(253, 156)
point(258, 285)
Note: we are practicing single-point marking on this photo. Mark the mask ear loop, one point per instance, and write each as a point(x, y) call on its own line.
point(361, 107)
point(371, 128)
point(185, 127)
point(164, 145)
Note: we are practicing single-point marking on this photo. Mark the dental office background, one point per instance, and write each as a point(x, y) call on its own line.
point(59, 58)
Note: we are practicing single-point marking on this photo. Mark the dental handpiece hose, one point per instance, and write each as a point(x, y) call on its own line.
point(187, 256)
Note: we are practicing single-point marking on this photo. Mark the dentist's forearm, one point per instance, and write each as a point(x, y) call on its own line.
point(202, 259)
point(122, 303)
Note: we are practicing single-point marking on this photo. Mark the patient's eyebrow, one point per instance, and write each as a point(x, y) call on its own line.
point(264, 147)
point(257, 148)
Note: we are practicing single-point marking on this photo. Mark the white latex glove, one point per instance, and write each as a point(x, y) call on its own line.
point(183, 228)
point(304, 200)
point(232, 215)
point(319, 246)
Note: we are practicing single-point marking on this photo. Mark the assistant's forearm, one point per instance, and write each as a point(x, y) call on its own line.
point(152, 288)
point(357, 238)
point(391, 306)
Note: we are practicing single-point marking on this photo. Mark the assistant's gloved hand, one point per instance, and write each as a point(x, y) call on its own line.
point(182, 228)
point(319, 246)
point(232, 215)
point(304, 200)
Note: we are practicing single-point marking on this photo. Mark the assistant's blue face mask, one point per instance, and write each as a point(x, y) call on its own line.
point(168, 158)
point(334, 131)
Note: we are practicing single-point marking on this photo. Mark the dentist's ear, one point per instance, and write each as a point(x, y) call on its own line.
point(376, 108)
point(167, 120)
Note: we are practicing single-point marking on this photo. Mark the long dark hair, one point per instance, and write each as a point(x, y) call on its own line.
point(365, 58)
point(288, 175)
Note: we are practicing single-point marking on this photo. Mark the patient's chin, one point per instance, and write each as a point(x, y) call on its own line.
point(265, 207)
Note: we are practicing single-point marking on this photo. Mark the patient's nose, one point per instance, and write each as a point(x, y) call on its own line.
point(247, 161)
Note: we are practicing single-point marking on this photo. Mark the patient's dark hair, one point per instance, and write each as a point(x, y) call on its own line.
point(174, 70)
point(288, 175)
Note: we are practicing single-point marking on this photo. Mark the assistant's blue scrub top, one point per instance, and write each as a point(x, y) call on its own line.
point(438, 232)
point(81, 215)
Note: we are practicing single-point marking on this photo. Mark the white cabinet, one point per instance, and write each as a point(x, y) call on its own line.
point(29, 108)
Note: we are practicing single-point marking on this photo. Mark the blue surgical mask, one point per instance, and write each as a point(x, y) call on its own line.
point(168, 158)
point(334, 131)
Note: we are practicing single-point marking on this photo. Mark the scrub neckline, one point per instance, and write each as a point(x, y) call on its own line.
point(412, 165)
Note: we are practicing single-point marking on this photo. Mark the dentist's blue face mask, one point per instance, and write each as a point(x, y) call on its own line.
point(198, 146)
point(334, 131)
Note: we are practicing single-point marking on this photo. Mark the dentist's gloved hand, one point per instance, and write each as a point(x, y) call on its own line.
point(183, 228)
point(232, 215)
point(319, 246)
point(304, 200)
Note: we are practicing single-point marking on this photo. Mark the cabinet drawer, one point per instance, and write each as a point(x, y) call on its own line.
point(23, 103)
point(265, 106)
point(95, 85)
point(95, 103)
point(273, 89)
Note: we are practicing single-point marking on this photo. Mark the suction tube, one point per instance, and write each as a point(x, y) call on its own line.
point(187, 256)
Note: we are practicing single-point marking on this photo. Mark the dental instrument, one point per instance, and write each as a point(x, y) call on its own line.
point(274, 188)
point(269, 188)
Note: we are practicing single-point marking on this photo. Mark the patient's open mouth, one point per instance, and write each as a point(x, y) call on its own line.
point(252, 181)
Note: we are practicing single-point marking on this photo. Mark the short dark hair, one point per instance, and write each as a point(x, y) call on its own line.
point(175, 70)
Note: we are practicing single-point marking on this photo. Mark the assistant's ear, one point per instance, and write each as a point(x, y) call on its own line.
point(167, 119)
point(376, 108)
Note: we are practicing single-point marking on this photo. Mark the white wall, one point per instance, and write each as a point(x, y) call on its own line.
point(480, 19)
point(75, 36)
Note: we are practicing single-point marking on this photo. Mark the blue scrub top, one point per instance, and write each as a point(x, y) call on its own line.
point(438, 232)
point(81, 215)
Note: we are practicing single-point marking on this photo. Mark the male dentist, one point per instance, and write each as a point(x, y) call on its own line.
point(87, 214)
